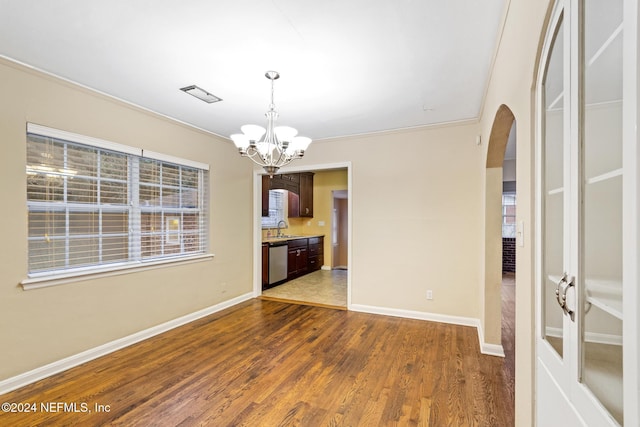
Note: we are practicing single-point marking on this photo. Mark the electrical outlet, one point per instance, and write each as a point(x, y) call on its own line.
point(429, 294)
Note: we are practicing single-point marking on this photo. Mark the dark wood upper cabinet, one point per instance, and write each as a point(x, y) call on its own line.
point(286, 181)
point(306, 194)
point(300, 188)
point(293, 205)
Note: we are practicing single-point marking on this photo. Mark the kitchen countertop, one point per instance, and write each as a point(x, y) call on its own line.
point(288, 238)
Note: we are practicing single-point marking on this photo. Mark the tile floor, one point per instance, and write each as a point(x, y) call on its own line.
point(322, 287)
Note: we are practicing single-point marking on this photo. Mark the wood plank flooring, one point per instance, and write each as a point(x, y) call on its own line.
point(268, 363)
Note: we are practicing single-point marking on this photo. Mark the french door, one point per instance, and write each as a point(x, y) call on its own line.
point(586, 192)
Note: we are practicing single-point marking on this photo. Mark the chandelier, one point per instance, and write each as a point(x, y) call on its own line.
point(280, 144)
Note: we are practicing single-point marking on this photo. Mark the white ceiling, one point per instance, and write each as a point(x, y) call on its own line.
point(347, 66)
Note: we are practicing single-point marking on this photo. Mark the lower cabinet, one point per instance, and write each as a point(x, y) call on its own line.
point(304, 256)
point(297, 260)
point(265, 265)
point(316, 253)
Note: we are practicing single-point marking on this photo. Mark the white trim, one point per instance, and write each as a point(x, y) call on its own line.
point(148, 154)
point(61, 365)
point(112, 146)
point(82, 139)
point(107, 271)
point(485, 348)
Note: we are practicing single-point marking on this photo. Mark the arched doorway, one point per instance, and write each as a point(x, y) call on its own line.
point(503, 126)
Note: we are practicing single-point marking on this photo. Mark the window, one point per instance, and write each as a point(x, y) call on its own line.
point(509, 215)
point(93, 203)
point(277, 208)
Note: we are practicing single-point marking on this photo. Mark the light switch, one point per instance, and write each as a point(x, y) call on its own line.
point(520, 234)
point(321, 223)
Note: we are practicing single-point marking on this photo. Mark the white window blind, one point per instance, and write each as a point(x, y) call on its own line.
point(90, 206)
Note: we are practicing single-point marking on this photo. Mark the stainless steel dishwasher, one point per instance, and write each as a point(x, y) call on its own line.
point(278, 262)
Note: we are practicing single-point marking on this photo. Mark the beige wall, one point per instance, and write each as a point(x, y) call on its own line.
point(492, 296)
point(44, 325)
point(416, 225)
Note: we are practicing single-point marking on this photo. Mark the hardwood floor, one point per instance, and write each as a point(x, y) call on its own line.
point(267, 363)
point(508, 333)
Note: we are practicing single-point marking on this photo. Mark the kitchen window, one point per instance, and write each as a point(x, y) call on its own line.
point(277, 208)
point(93, 204)
point(509, 215)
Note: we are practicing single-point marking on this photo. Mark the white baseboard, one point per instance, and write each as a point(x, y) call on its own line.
point(485, 348)
point(37, 374)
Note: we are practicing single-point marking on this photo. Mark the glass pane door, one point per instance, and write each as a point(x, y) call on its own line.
point(601, 335)
point(553, 192)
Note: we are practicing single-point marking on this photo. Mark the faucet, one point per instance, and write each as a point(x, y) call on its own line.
point(283, 226)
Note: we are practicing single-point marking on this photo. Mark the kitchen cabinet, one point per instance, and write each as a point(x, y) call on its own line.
point(304, 255)
point(305, 208)
point(286, 181)
point(587, 196)
point(265, 265)
point(300, 192)
point(297, 258)
point(293, 205)
point(316, 253)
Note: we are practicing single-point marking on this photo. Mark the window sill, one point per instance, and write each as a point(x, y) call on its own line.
point(63, 278)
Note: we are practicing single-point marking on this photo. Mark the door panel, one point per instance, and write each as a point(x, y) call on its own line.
point(601, 104)
point(553, 193)
point(587, 224)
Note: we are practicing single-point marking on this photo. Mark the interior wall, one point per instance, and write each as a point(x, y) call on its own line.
point(416, 222)
point(492, 307)
point(512, 83)
point(509, 170)
point(45, 325)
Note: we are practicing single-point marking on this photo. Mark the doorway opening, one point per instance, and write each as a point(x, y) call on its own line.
point(501, 239)
point(328, 283)
point(509, 230)
point(340, 230)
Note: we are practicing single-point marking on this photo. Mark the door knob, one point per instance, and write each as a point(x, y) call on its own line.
point(562, 287)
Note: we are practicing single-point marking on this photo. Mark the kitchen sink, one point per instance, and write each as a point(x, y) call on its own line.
point(284, 236)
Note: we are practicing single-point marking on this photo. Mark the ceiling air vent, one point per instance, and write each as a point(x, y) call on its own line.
point(201, 94)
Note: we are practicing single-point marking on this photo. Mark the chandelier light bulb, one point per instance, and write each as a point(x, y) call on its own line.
point(240, 140)
point(253, 132)
point(302, 142)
